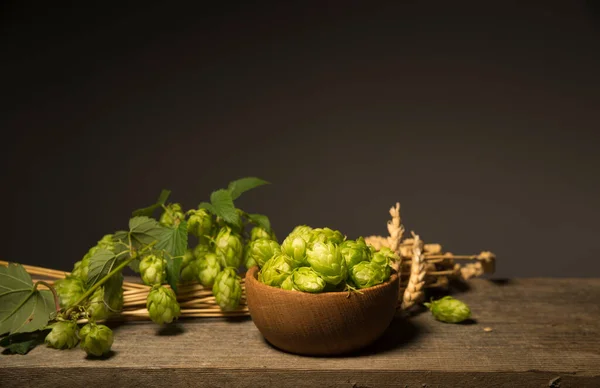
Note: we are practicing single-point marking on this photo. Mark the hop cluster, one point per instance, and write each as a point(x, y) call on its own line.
point(323, 260)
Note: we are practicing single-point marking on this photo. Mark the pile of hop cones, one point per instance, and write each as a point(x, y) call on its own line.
point(422, 265)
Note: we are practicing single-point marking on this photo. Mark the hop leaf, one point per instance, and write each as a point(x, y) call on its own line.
point(24, 307)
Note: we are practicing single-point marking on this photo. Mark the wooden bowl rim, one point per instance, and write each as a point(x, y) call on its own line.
point(252, 274)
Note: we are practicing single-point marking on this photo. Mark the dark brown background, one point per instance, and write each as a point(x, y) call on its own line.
point(479, 118)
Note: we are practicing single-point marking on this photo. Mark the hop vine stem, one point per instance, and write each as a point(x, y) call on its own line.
point(43, 283)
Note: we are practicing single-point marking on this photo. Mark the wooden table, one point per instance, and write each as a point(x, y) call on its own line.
point(545, 333)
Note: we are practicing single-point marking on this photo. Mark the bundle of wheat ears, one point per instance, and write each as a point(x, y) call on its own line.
point(421, 266)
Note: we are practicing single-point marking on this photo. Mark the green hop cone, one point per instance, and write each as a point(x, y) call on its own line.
point(368, 274)
point(275, 271)
point(449, 309)
point(259, 232)
point(63, 335)
point(201, 250)
point(106, 242)
point(96, 340)
point(173, 213)
point(162, 305)
point(354, 252)
point(306, 280)
point(249, 261)
point(303, 231)
point(69, 290)
point(227, 289)
point(190, 267)
point(295, 249)
point(82, 267)
point(229, 248)
point(326, 235)
point(288, 284)
point(200, 223)
point(153, 270)
point(384, 256)
point(209, 268)
point(261, 250)
point(326, 260)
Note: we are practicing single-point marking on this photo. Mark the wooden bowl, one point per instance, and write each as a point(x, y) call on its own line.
point(330, 323)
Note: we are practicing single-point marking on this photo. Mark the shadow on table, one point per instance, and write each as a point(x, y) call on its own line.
point(401, 332)
point(105, 357)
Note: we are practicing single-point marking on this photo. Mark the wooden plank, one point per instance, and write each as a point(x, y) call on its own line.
point(541, 329)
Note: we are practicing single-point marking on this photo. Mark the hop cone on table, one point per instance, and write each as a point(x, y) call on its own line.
point(96, 340)
point(229, 248)
point(153, 270)
point(69, 290)
point(449, 309)
point(162, 305)
point(227, 289)
point(63, 335)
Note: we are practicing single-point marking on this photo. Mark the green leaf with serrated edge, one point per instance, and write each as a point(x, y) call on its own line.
point(145, 230)
point(207, 206)
point(148, 211)
point(260, 220)
point(224, 208)
point(22, 343)
point(174, 240)
point(240, 186)
point(101, 263)
point(23, 308)
point(173, 271)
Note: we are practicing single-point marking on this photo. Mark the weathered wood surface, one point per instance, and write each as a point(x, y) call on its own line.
point(542, 329)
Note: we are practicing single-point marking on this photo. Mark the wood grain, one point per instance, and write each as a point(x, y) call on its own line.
point(541, 329)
